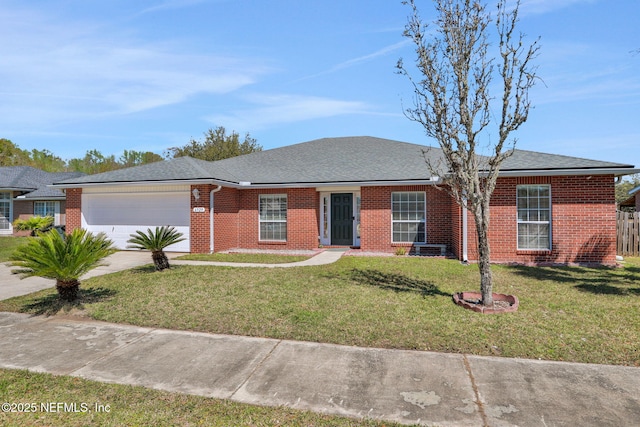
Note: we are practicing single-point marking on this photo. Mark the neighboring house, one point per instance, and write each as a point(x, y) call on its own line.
point(365, 192)
point(634, 199)
point(24, 192)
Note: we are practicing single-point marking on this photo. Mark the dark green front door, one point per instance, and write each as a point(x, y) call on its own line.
point(342, 219)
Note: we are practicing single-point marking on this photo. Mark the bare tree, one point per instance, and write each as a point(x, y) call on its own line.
point(454, 105)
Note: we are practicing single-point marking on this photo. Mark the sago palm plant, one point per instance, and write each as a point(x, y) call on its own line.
point(155, 241)
point(64, 259)
point(34, 224)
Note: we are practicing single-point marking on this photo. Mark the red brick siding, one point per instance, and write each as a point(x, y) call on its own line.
point(302, 219)
point(583, 221)
point(200, 241)
point(73, 209)
point(375, 217)
point(225, 219)
point(456, 231)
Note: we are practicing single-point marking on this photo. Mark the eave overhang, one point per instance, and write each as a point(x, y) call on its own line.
point(568, 172)
point(246, 184)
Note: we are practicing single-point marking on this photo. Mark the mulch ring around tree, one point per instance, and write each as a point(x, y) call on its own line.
point(502, 303)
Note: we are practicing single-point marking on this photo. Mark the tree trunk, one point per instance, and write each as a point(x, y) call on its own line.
point(68, 289)
point(484, 256)
point(160, 260)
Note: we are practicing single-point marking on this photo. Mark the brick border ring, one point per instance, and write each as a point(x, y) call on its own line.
point(473, 301)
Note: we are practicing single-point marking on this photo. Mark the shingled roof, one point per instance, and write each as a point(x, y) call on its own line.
point(33, 182)
point(334, 161)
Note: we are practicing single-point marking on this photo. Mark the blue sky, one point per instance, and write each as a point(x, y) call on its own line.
point(152, 74)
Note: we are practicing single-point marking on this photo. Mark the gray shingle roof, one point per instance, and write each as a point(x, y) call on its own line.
point(327, 160)
point(528, 160)
point(179, 169)
point(33, 181)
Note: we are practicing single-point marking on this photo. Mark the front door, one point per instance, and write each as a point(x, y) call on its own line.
point(342, 219)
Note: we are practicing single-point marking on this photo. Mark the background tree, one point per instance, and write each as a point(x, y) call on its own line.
point(136, 158)
point(454, 105)
point(11, 154)
point(47, 161)
point(217, 145)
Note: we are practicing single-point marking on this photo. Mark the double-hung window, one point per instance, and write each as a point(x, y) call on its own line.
point(408, 217)
point(5, 211)
point(44, 208)
point(534, 217)
point(273, 217)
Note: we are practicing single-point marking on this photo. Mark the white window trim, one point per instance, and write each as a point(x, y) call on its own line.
point(550, 222)
point(261, 221)
point(56, 210)
point(10, 219)
point(408, 221)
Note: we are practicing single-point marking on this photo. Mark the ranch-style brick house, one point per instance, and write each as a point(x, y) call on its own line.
point(25, 192)
point(363, 192)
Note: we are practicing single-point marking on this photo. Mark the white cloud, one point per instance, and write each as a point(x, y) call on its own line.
point(361, 59)
point(277, 109)
point(61, 70)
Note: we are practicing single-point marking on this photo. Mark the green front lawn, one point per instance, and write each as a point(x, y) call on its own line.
point(8, 244)
point(571, 314)
point(91, 403)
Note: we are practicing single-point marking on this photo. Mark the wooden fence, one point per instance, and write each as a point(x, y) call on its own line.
point(628, 234)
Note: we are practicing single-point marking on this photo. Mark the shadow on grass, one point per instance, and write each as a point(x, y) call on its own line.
point(395, 282)
point(595, 280)
point(144, 269)
point(52, 304)
point(604, 289)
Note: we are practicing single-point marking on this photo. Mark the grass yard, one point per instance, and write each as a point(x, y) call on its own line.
point(259, 258)
point(138, 406)
point(8, 244)
point(566, 313)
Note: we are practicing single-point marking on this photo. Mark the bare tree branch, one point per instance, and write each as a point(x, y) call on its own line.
point(452, 101)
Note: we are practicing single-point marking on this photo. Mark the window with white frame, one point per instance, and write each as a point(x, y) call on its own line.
point(408, 217)
point(44, 208)
point(534, 217)
point(5, 211)
point(273, 217)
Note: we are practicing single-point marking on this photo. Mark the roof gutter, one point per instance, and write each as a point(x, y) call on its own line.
point(430, 181)
point(566, 172)
point(125, 183)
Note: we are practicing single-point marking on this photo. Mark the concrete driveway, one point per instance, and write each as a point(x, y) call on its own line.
point(12, 286)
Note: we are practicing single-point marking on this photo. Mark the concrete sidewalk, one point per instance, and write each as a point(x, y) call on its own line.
point(325, 257)
point(405, 386)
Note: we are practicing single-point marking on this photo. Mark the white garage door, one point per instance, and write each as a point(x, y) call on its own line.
point(119, 215)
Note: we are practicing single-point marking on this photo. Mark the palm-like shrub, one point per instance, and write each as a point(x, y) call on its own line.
point(155, 241)
point(34, 224)
point(64, 259)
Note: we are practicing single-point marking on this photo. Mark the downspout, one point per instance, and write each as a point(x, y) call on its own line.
point(465, 234)
point(211, 217)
